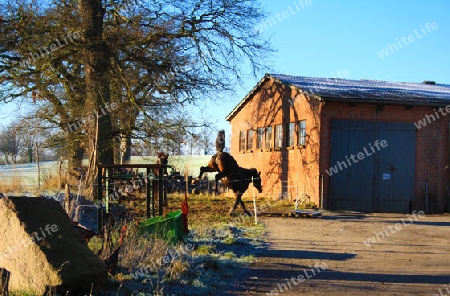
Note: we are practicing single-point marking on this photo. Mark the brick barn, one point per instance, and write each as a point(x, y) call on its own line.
point(359, 145)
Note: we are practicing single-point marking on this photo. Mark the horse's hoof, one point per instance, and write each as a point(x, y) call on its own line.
point(231, 212)
point(248, 213)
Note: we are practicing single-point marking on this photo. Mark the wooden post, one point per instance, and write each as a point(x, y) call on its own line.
point(160, 190)
point(107, 199)
point(38, 169)
point(100, 171)
point(4, 281)
point(186, 173)
point(149, 195)
point(67, 199)
point(59, 173)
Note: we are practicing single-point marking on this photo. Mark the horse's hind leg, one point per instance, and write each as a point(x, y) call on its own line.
point(243, 207)
point(236, 203)
point(217, 177)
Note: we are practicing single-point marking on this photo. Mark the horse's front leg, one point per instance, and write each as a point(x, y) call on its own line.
point(205, 169)
point(241, 202)
point(202, 170)
point(238, 201)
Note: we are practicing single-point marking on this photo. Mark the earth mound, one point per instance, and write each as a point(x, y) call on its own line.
point(42, 251)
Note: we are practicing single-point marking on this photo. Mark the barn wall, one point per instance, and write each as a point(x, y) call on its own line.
point(431, 146)
point(288, 171)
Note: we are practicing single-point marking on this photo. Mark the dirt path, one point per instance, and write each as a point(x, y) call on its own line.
point(410, 256)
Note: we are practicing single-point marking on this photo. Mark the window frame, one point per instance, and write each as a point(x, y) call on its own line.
point(260, 131)
point(301, 135)
point(250, 135)
point(242, 141)
point(278, 136)
point(268, 137)
point(290, 134)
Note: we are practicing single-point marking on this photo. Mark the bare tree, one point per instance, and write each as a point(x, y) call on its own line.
point(206, 140)
point(10, 143)
point(33, 134)
point(76, 58)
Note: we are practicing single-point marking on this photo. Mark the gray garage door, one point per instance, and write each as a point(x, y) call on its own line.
point(374, 179)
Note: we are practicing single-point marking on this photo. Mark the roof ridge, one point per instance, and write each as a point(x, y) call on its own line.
point(275, 75)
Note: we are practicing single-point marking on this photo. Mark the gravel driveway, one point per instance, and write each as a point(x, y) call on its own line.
point(352, 254)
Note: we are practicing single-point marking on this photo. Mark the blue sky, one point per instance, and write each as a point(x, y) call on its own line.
point(329, 38)
point(344, 39)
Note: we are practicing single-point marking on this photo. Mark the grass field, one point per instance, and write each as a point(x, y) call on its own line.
point(191, 163)
point(216, 254)
point(218, 249)
point(23, 177)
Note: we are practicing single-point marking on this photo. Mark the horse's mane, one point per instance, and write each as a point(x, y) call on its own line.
point(227, 157)
point(254, 171)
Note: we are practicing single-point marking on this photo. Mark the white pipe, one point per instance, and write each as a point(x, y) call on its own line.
point(254, 203)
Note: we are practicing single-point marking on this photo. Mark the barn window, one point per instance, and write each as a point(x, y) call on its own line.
point(259, 137)
point(302, 132)
point(242, 141)
point(250, 140)
point(269, 137)
point(278, 136)
point(290, 134)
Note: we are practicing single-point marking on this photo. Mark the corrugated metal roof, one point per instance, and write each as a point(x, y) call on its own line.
point(364, 90)
point(369, 90)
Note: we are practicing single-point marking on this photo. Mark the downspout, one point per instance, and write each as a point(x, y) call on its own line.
point(447, 188)
point(426, 195)
point(447, 201)
point(321, 191)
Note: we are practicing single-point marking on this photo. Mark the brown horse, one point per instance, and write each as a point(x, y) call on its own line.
point(221, 162)
point(234, 177)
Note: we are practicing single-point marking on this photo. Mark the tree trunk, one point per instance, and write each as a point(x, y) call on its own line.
point(75, 158)
point(38, 169)
point(75, 152)
point(125, 149)
point(96, 61)
point(30, 154)
point(125, 124)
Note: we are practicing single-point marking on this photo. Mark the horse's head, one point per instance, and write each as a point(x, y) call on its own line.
point(163, 158)
point(257, 180)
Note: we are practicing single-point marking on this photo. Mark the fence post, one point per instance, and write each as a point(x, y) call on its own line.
point(160, 190)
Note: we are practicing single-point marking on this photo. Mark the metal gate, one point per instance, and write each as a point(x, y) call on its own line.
point(366, 175)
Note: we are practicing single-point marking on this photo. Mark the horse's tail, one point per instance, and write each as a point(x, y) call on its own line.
point(220, 141)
